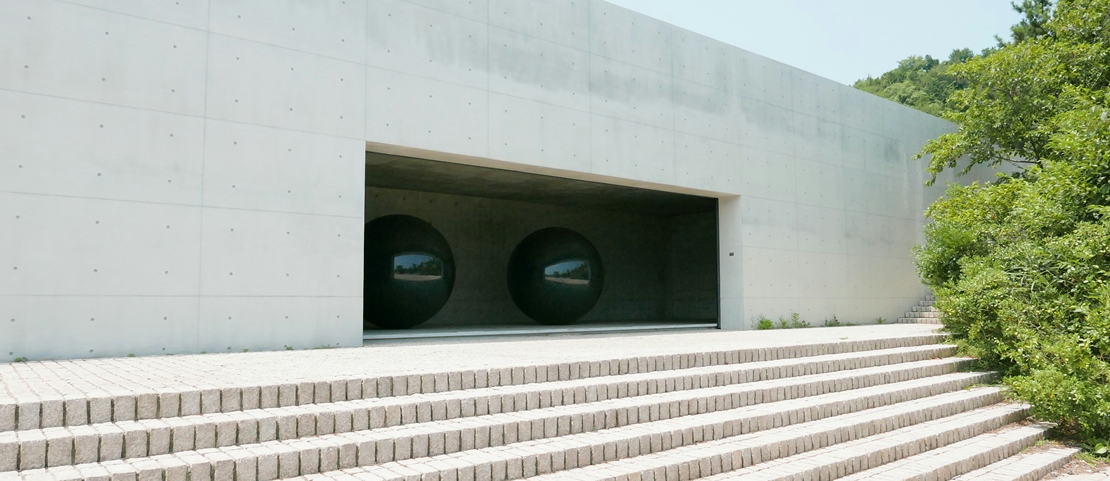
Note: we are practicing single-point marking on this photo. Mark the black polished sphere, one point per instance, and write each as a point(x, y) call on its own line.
point(409, 273)
point(555, 276)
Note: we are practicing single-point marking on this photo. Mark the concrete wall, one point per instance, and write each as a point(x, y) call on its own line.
point(176, 177)
point(821, 201)
point(640, 253)
point(172, 123)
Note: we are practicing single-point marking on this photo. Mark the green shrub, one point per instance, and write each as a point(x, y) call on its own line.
point(795, 322)
point(1021, 266)
point(1098, 447)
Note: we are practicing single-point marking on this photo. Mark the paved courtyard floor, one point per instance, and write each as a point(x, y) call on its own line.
point(53, 379)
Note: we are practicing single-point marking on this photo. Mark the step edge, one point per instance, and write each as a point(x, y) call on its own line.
point(52, 411)
point(985, 395)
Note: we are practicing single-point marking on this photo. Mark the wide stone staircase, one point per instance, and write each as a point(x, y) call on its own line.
point(885, 408)
point(923, 313)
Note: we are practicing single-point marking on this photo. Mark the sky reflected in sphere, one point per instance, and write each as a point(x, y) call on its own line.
point(417, 267)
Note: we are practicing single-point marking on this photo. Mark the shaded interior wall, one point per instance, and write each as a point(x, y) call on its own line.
point(693, 266)
point(639, 253)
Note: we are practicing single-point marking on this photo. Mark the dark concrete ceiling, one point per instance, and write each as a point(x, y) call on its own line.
point(396, 172)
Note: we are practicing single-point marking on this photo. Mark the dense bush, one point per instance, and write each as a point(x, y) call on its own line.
point(1021, 266)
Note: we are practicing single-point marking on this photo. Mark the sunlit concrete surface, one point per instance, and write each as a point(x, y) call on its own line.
point(189, 176)
point(36, 381)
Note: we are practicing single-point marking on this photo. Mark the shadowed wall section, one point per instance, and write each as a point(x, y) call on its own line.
point(637, 251)
point(659, 249)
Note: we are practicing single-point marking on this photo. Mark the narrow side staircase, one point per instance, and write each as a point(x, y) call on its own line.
point(924, 312)
point(897, 408)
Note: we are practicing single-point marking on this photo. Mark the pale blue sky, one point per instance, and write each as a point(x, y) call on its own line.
point(843, 40)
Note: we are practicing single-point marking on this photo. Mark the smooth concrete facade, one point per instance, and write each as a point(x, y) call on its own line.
point(189, 176)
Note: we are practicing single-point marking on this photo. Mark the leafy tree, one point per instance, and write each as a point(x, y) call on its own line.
point(926, 84)
point(919, 82)
point(1005, 112)
point(1037, 14)
point(1021, 266)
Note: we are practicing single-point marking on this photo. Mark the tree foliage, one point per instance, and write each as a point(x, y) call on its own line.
point(920, 82)
point(1036, 15)
point(926, 84)
point(1008, 111)
point(1021, 266)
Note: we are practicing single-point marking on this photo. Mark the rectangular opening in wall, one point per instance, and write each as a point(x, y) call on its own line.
point(454, 249)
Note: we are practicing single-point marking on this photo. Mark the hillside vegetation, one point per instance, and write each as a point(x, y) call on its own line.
point(1021, 266)
point(926, 84)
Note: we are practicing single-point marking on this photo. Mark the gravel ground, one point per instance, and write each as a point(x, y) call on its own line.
point(1079, 470)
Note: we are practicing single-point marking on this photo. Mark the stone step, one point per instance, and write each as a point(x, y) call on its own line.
point(116, 390)
point(426, 407)
point(923, 420)
point(927, 303)
point(1029, 465)
point(260, 425)
point(267, 461)
point(924, 309)
point(930, 297)
point(771, 443)
point(815, 410)
point(879, 451)
point(919, 320)
point(62, 446)
point(933, 314)
point(958, 458)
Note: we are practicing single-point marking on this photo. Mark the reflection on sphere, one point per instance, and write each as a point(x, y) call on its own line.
point(409, 271)
point(555, 276)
